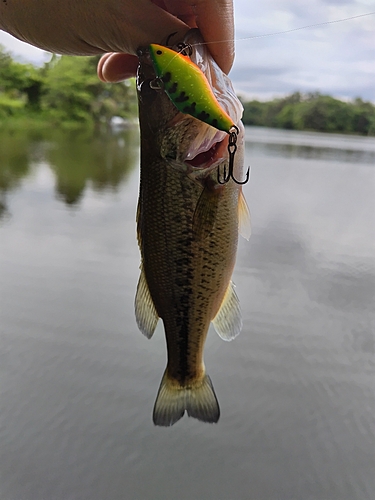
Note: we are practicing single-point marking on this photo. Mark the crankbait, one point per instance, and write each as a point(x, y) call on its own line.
point(187, 87)
point(189, 90)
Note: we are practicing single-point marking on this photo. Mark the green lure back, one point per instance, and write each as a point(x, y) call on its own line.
point(188, 88)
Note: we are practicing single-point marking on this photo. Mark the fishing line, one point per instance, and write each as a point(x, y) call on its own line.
point(325, 23)
point(185, 49)
point(316, 25)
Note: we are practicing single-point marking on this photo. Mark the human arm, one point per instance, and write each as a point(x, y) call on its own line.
point(88, 27)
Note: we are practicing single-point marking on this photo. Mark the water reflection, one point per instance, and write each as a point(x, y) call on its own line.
point(78, 378)
point(77, 160)
point(102, 161)
point(312, 152)
point(15, 164)
point(310, 145)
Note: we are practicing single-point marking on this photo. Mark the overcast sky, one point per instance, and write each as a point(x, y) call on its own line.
point(336, 59)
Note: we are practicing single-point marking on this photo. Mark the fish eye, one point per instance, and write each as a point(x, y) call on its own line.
point(159, 52)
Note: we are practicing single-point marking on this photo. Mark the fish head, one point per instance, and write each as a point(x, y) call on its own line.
point(183, 141)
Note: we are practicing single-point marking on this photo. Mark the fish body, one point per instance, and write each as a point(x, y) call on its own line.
point(187, 228)
point(188, 88)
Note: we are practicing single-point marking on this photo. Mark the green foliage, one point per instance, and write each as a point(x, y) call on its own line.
point(312, 111)
point(73, 93)
point(254, 113)
point(20, 86)
point(65, 92)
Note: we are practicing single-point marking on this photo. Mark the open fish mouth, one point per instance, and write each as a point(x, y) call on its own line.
point(206, 158)
point(208, 148)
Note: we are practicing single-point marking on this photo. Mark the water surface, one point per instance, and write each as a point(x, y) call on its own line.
point(78, 380)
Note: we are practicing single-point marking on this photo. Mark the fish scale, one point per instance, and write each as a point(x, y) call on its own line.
point(187, 259)
point(179, 291)
point(166, 192)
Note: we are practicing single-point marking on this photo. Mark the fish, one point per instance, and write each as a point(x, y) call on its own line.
point(187, 229)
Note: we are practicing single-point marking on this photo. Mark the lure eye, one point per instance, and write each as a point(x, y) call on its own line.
point(159, 52)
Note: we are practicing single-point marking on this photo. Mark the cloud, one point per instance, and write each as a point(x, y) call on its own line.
point(23, 51)
point(332, 58)
point(336, 58)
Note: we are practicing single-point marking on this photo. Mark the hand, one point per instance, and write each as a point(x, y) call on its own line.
point(213, 18)
point(88, 27)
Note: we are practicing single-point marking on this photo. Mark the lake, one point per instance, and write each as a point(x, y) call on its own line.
point(78, 380)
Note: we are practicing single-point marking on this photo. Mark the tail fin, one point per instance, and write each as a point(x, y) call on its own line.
point(171, 402)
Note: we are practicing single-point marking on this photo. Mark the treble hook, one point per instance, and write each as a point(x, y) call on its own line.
point(170, 36)
point(232, 148)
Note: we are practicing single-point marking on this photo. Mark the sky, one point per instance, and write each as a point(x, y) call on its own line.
point(336, 58)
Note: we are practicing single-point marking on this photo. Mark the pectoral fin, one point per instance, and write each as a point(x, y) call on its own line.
point(244, 217)
point(145, 312)
point(205, 213)
point(228, 320)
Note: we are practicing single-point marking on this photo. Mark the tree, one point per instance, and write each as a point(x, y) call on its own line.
point(20, 84)
point(73, 92)
point(312, 111)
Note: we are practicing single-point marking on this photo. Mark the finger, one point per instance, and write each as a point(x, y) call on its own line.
point(181, 9)
point(215, 19)
point(70, 27)
point(219, 34)
point(148, 23)
point(115, 67)
point(99, 69)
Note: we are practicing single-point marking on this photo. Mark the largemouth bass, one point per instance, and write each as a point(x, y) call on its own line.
point(187, 224)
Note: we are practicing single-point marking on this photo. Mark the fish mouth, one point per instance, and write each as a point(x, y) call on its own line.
point(206, 158)
point(207, 149)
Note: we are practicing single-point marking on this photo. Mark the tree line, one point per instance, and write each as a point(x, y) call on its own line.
point(65, 92)
point(312, 111)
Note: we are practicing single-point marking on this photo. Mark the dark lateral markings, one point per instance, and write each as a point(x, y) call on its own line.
point(182, 97)
point(190, 110)
point(167, 77)
point(203, 116)
point(173, 88)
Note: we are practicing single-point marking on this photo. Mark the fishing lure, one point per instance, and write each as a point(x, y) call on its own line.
point(187, 87)
point(189, 90)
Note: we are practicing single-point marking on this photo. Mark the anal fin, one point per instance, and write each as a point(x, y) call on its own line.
point(145, 312)
point(228, 320)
